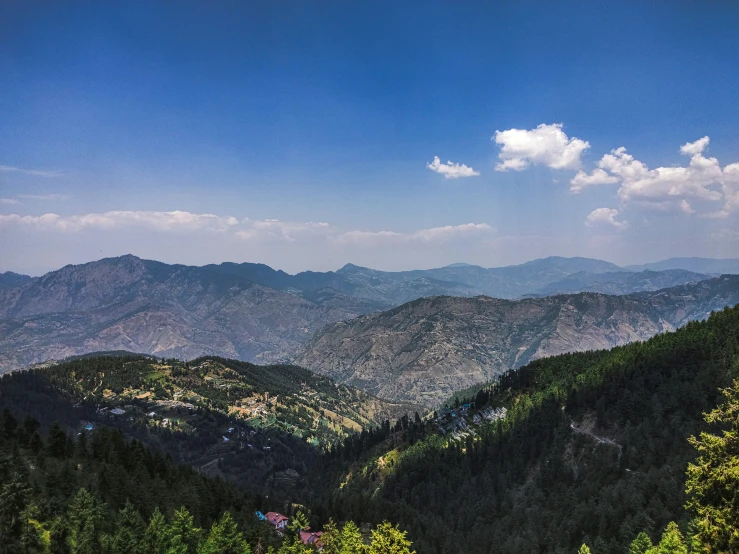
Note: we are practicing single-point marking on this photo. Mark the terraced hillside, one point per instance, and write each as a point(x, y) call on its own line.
point(261, 425)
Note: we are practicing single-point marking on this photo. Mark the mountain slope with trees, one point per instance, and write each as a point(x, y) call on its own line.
point(593, 449)
point(246, 311)
point(261, 426)
point(425, 350)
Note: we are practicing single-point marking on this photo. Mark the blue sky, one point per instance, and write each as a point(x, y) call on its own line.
point(300, 134)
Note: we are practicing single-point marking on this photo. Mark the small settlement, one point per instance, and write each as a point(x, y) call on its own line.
point(279, 522)
point(455, 423)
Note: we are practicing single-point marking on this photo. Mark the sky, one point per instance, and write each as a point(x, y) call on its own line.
point(394, 135)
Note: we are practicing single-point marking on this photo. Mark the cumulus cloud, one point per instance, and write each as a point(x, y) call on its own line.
point(697, 147)
point(674, 188)
point(546, 145)
point(451, 170)
point(597, 177)
point(605, 217)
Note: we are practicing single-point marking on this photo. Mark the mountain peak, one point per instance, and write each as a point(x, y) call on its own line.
point(352, 267)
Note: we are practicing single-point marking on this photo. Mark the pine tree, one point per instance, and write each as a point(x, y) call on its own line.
point(30, 541)
point(641, 544)
point(59, 537)
point(713, 480)
point(584, 549)
point(351, 539)
point(13, 498)
point(85, 523)
point(331, 538)
point(156, 536)
point(224, 538)
point(672, 541)
point(184, 533)
point(388, 539)
point(129, 532)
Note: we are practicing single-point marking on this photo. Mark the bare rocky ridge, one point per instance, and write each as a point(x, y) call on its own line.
point(141, 306)
point(247, 311)
point(427, 349)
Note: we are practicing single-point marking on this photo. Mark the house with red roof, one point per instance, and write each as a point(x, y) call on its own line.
point(277, 519)
point(308, 537)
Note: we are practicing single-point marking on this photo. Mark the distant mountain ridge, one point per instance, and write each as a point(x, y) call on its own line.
point(428, 348)
point(168, 310)
point(699, 265)
point(10, 280)
point(251, 311)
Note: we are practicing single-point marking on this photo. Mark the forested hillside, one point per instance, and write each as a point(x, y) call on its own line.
point(260, 425)
point(591, 448)
point(99, 492)
point(426, 350)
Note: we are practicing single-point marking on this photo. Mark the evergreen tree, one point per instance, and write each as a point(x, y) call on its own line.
point(388, 539)
point(331, 538)
point(184, 533)
point(30, 537)
point(85, 523)
point(672, 541)
point(641, 544)
point(583, 549)
point(59, 537)
point(156, 536)
point(713, 480)
point(13, 498)
point(224, 538)
point(351, 539)
point(129, 532)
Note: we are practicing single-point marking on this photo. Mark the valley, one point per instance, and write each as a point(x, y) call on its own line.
point(427, 349)
point(252, 312)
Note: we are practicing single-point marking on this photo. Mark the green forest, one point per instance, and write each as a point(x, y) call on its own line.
point(594, 450)
point(633, 449)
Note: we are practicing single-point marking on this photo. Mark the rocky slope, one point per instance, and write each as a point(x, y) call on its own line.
point(248, 311)
point(426, 349)
point(622, 282)
point(174, 311)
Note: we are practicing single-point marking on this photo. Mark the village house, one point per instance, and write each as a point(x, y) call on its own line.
point(308, 537)
point(277, 520)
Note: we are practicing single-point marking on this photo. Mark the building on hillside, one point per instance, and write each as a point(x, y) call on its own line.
point(277, 520)
point(308, 537)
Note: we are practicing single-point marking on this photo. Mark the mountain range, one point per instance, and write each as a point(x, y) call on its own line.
point(253, 312)
point(427, 349)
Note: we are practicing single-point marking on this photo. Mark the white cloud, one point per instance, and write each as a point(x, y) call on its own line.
point(9, 201)
point(44, 196)
point(697, 147)
point(597, 177)
point(451, 170)
point(605, 217)
point(448, 231)
point(287, 230)
point(702, 179)
point(546, 145)
point(35, 172)
point(163, 221)
point(432, 234)
point(263, 231)
point(678, 188)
